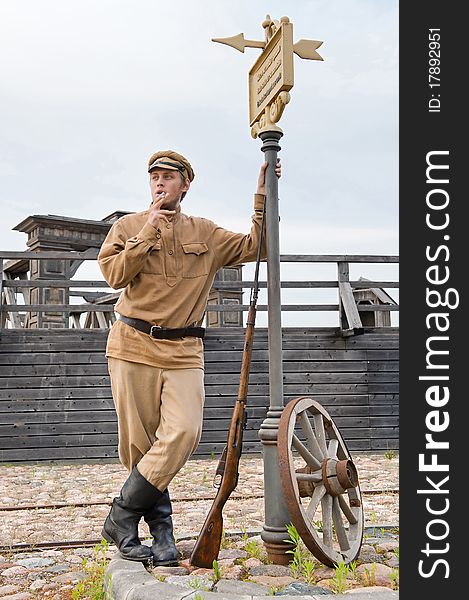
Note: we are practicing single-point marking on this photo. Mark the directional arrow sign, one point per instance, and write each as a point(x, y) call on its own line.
point(307, 49)
point(238, 42)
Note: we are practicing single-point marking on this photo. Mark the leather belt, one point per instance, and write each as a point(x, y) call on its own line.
point(163, 333)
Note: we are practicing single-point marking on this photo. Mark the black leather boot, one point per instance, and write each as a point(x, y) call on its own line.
point(161, 527)
point(136, 497)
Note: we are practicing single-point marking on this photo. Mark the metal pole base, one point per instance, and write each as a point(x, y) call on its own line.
point(276, 550)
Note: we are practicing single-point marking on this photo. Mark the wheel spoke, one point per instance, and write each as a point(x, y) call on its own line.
point(326, 505)
point(351, 518)
point(318, 494)
point(305, 453)
point(313, 477)
point(309, 433)
point(339, 526)
point(332, 450)
point(320, 434)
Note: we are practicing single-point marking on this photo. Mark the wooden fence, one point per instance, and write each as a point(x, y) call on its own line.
point(55, 396)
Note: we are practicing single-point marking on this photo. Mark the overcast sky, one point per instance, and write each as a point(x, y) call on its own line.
point(91, 88)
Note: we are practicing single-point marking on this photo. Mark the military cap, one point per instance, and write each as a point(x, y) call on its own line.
point(168, 159)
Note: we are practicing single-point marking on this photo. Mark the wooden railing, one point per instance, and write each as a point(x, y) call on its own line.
point(98, 307)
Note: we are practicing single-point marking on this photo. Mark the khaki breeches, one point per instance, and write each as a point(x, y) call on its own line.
point(159, 413)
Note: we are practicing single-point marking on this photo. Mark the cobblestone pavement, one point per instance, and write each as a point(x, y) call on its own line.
point(43, 484)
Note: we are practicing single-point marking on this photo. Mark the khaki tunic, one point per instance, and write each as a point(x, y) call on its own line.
point(166, 275)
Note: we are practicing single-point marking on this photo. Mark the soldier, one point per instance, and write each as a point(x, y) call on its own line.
point(165, 263)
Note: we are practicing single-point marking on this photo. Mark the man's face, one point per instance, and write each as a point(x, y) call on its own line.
point(168, 182)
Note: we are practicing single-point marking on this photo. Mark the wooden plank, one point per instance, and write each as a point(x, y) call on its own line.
point(377, 287)
point(384, 409)
point(58, 283)
point(59, 441)
point(383, 376)
point(384, 432)
point(371, 356)
point(59, 308)
point(57, 370)
point(97, 375)
point(52, 358)
point(17, 430)
point(378, 308)
point(316, 351)
point(31, 423)
point(252, 435)
point(58, 382)
point(311, 377)
point(343, 402)
point(290, 355)
point(63, 453)
point(56, 333)
point(297, 389)
point(383, 388)
point(383, 365)
point(383, 354)
point(214, 450)
point(77, 345)
point(10, 300)
point(385, 444)
point(90, 254)
point(350, 307)
point(53, 408)
point(385, 421)
point(92, 415)
point(105, 412)
point(68, 405)
point(49, 393)
point(257, 411)
point(383, 398)
point(334, 399)
point(258, 366)
point(344, 411)
point(351, 258)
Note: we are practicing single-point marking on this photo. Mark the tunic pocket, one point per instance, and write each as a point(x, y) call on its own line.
point(194, 259)
point(153, 263)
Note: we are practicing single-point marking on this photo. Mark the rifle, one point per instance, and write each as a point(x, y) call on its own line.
point(208, 542)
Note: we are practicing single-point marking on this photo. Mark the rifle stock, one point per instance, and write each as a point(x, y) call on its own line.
point(208, 543)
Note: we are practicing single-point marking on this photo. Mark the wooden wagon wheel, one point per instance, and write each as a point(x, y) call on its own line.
point(320, 482)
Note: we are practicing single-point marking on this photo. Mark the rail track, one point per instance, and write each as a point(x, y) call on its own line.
point(56, 505)
point(69, 544)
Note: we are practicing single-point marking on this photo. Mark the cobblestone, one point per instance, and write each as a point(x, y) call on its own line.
point(36, 571)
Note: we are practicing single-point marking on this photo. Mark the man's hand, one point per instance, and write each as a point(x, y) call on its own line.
point(261, 180)
point(156, 213)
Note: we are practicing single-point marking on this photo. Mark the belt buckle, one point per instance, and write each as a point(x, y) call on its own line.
point(155, 328)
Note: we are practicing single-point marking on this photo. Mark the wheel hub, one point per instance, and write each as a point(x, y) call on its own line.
point(338, 476)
